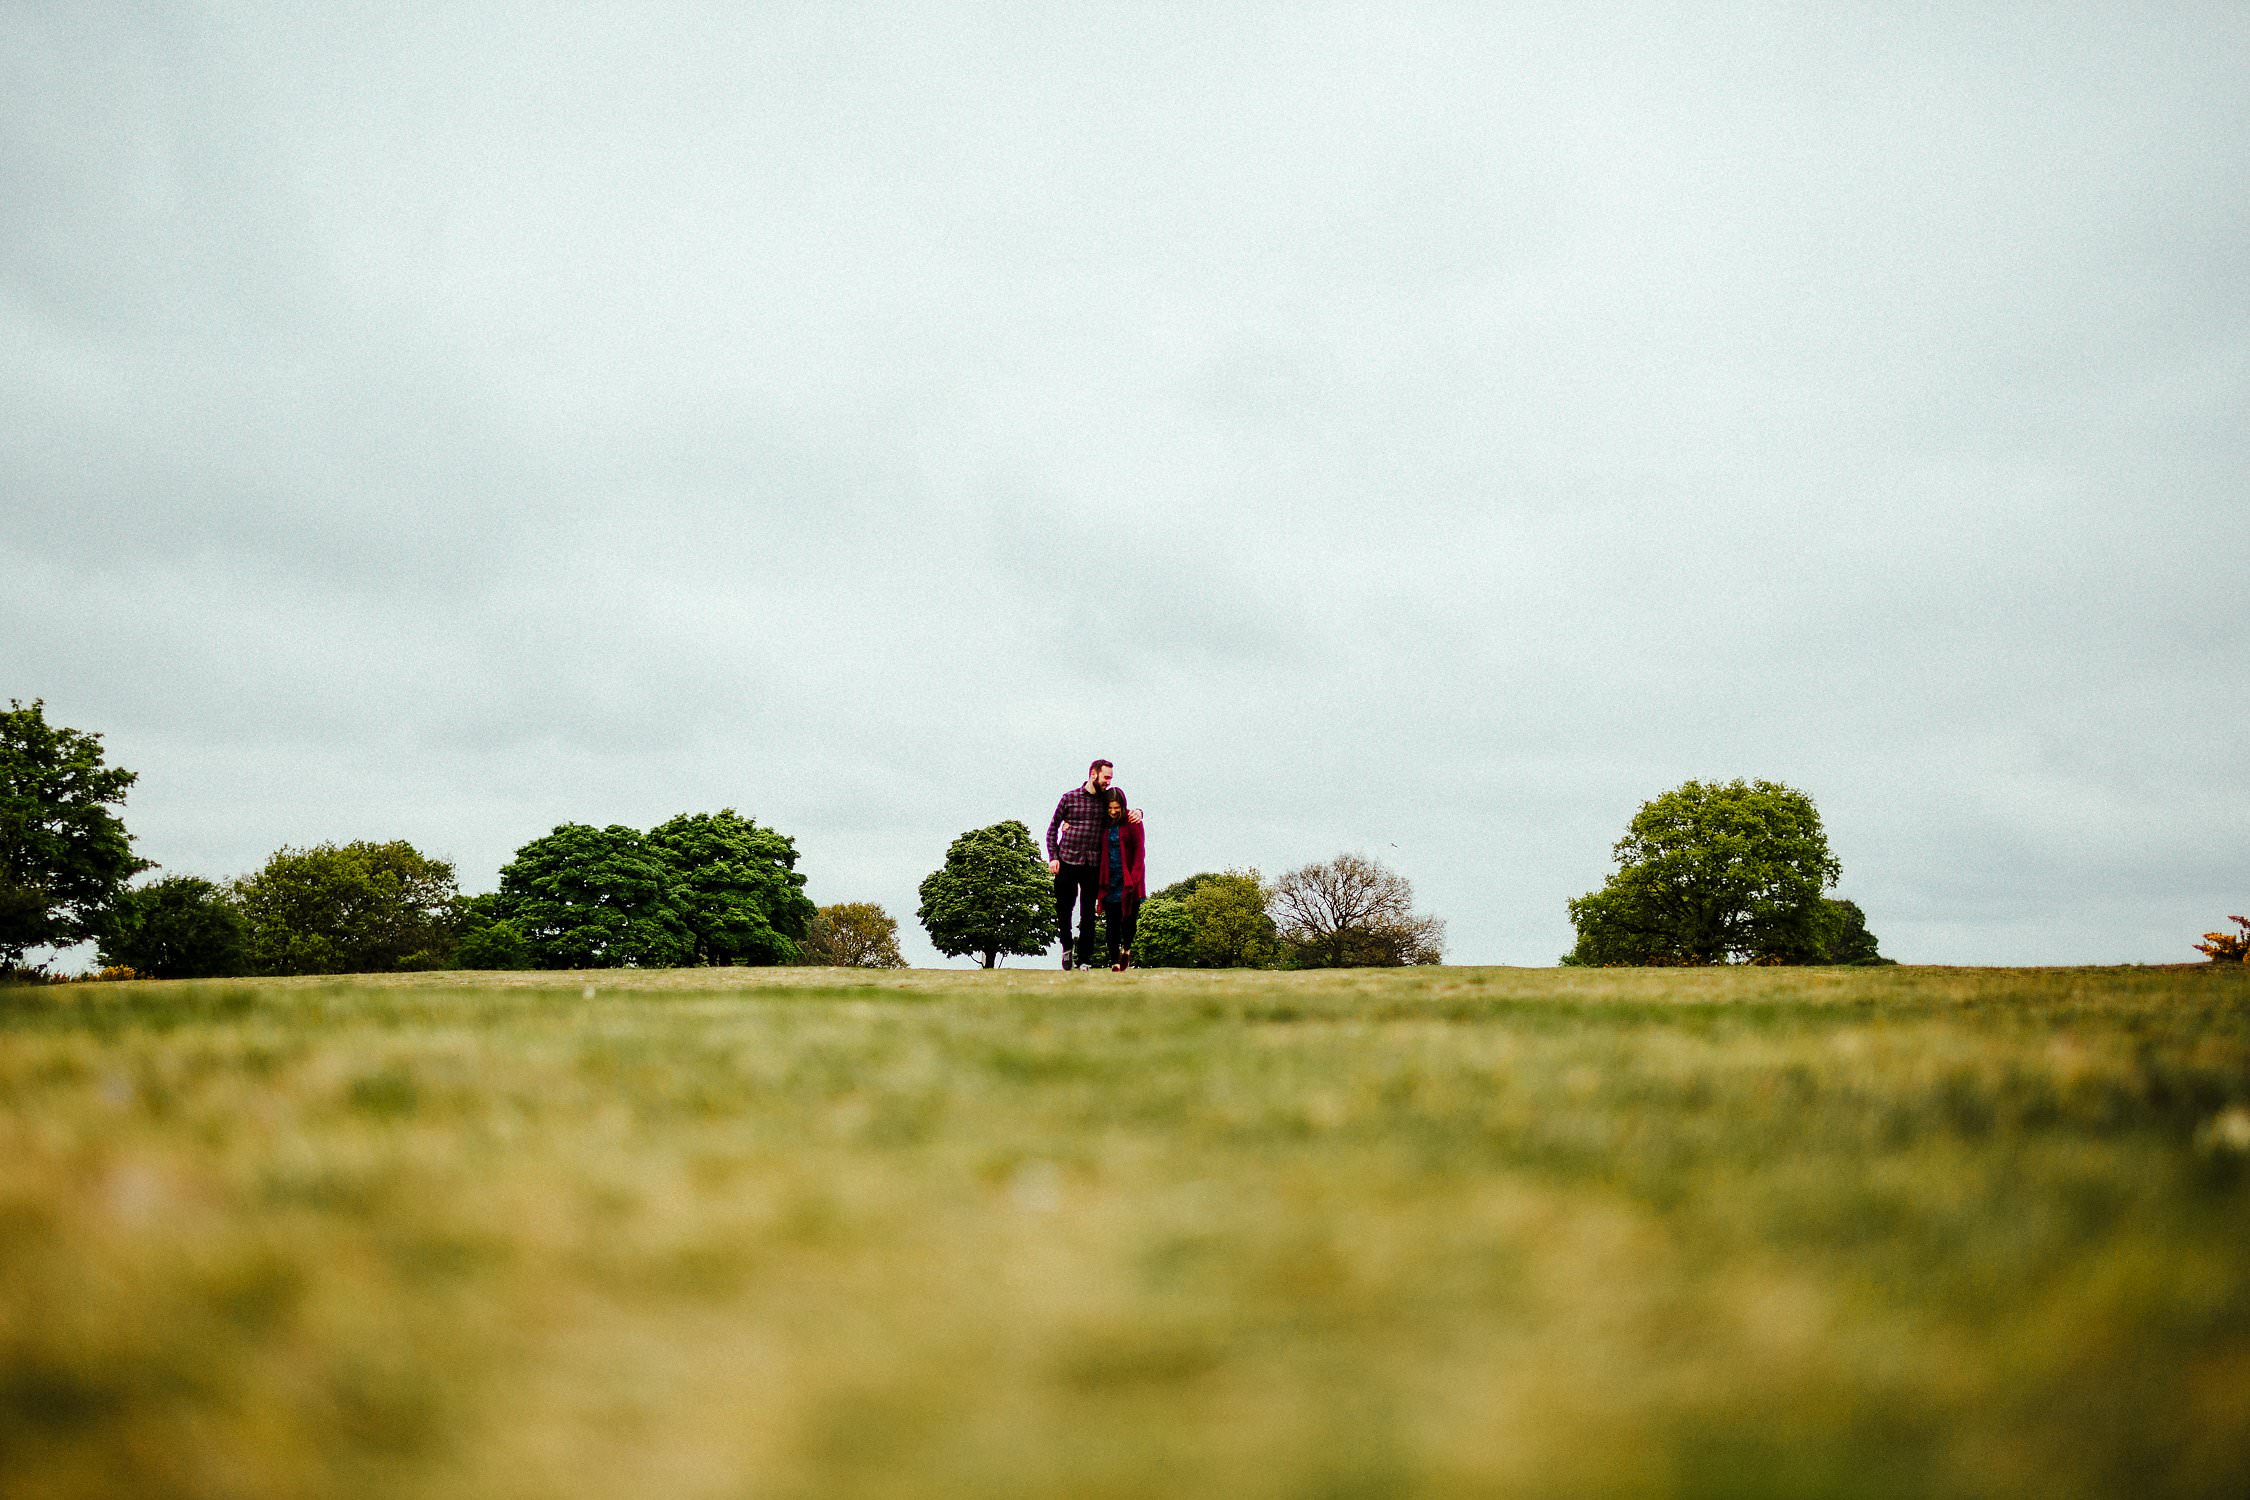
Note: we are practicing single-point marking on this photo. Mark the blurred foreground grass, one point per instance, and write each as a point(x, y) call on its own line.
point(812, 1233)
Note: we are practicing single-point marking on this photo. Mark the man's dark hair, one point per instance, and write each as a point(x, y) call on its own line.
point(1097, 765)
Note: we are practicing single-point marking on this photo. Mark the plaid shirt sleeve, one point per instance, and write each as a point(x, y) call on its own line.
point(1080, 843)
point(1062, 811)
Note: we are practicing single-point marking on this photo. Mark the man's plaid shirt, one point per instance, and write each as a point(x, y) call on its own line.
point(1085, 812)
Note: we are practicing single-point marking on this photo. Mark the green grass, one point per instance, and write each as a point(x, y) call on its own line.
point(1446, 1232)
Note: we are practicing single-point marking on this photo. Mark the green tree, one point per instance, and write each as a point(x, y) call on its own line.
point(1352, 912)
point(357, 908)
point(1835, 934)
point(991, 897)
point(179, 927)
point(1848, 940)
point(1164, 938)
point(1180, 890)
point(489, 940)
point(1215, 920)
point(64, 856)
point(1233, 929)
point(596, 898)
point(738, 891)
point(1714, 872)
point(854, 935)
point(702, 888)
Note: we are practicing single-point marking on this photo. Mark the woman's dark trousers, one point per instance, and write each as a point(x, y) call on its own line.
point(1120, 917)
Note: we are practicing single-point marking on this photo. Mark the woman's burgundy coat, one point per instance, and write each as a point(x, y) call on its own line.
point(1132, 844)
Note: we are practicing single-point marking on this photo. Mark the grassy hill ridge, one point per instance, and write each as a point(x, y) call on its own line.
point(1438, 1232)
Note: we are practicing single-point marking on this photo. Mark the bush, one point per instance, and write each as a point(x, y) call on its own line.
point(179, 927)
point(854, 935)
point(1352, 912)
point(2227, 947)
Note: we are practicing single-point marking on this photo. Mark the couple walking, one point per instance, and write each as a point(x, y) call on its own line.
point(1094, 851)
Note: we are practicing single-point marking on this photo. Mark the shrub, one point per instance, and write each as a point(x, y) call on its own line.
point(2227, 947)
point(488, 940)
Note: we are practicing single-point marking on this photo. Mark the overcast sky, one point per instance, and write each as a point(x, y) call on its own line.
point(1423, 429)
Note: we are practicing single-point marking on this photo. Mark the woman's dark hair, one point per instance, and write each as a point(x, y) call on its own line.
point(1113, 798)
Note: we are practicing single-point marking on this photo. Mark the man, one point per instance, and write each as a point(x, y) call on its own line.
point(1074, 851)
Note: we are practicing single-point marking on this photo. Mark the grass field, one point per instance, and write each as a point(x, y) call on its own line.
point(802, 1233)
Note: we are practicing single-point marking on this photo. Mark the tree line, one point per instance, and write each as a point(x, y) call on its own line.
point(702, 888)
point(1709, 872)
point(991, 900)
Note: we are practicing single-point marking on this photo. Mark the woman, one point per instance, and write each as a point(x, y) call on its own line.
point(1123, 879)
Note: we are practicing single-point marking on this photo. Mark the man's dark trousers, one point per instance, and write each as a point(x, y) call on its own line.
point(1077, 883)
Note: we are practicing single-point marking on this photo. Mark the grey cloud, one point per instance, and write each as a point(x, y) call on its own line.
point(1427, 429)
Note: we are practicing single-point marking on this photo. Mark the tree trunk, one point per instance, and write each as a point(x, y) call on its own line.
point(990, 954)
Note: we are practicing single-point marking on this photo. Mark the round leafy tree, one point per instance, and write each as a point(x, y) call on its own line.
point(739, 892)
point(357, 908)
point(704, 888)
point(64, 856)
point(180, 927)
point(1719, 872)
point(991, 897)
point(596, 898)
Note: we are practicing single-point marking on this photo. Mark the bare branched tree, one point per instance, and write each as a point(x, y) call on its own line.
point(1353, 912)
